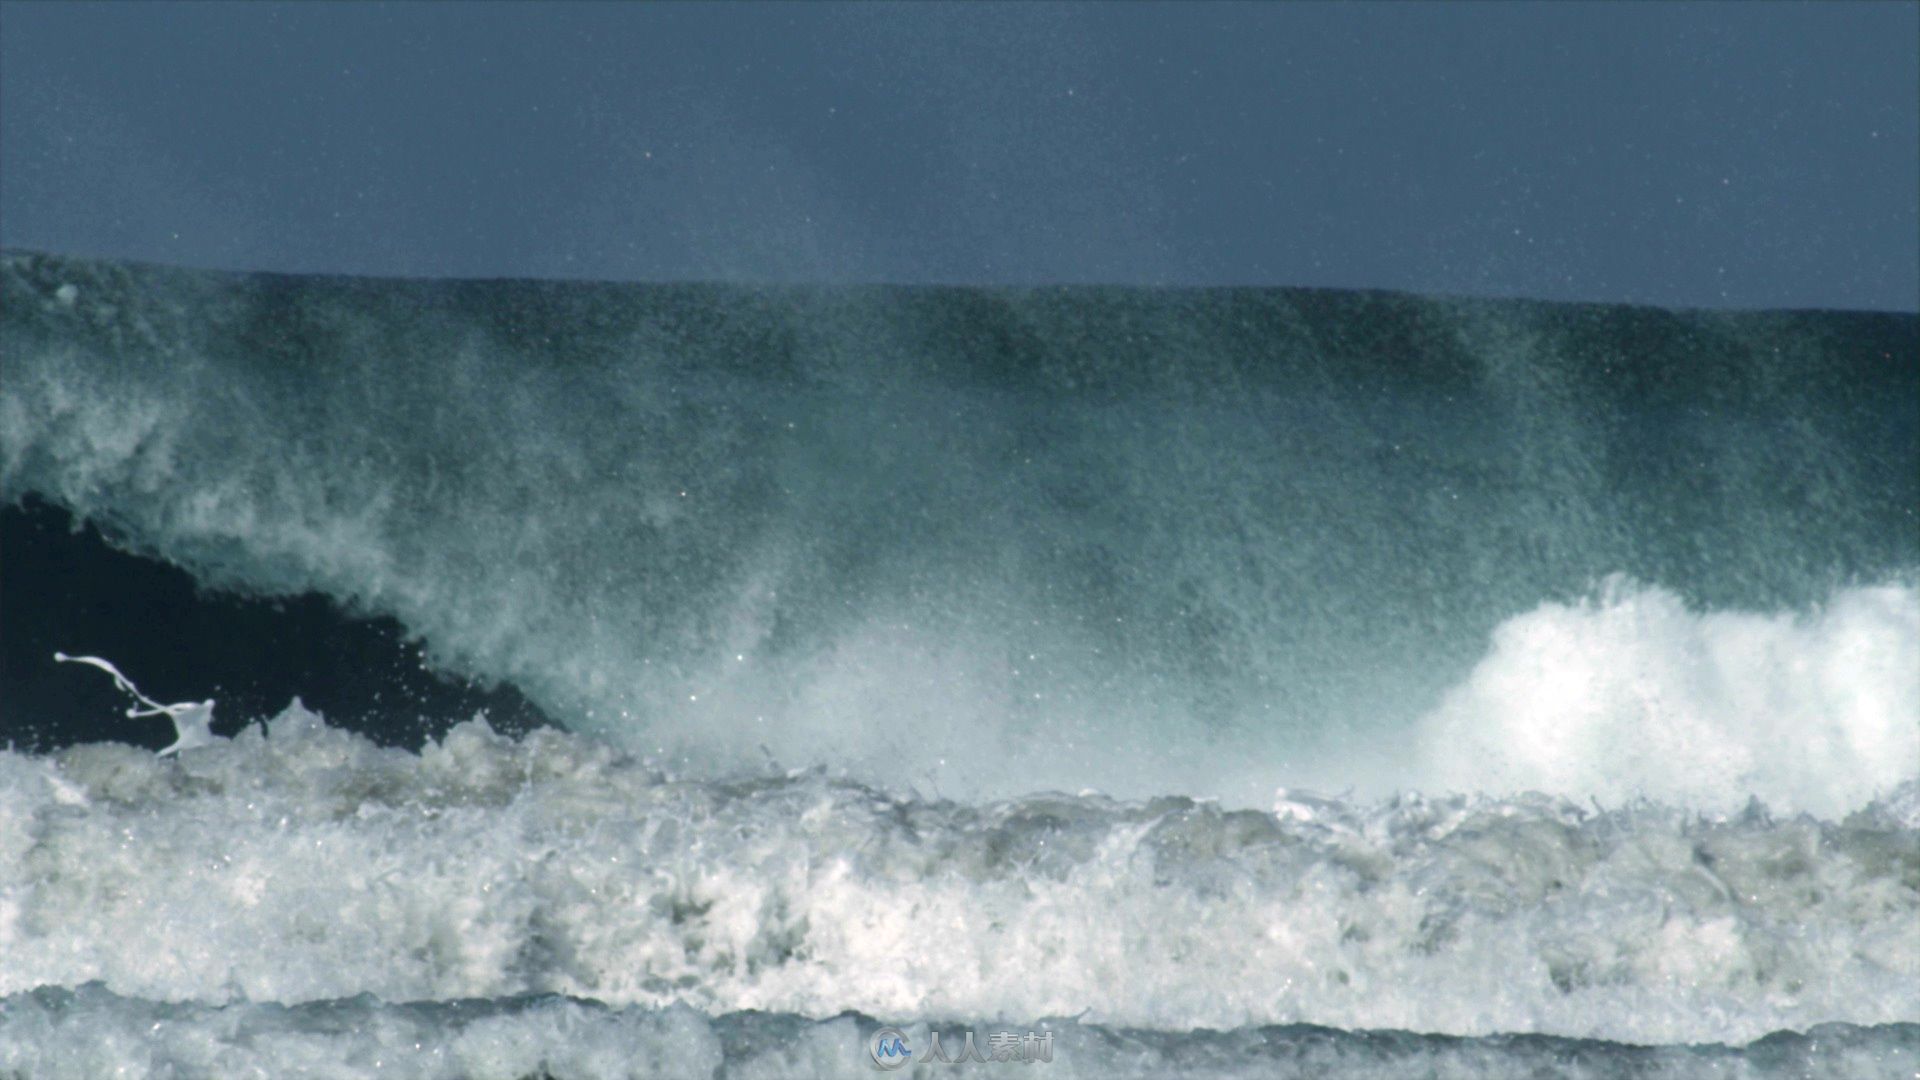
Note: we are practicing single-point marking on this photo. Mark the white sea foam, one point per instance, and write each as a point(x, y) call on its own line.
point(314, 865)
point(1632, 695)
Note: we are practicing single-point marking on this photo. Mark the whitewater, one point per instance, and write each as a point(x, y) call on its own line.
point(1221, 682)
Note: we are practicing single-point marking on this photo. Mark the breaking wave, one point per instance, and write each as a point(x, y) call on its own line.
point(960, 658)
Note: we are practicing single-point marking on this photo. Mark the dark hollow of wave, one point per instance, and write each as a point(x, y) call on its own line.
point(63, 587)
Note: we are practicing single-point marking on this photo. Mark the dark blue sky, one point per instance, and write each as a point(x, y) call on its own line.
point(1700, 154)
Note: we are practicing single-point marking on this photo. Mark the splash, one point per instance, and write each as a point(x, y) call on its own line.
point(192, 721)
point(1633, 694)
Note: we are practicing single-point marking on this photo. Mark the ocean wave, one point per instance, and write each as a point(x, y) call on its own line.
point(1004, 540)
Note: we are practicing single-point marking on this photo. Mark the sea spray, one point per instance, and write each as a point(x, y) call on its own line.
point(997, 540)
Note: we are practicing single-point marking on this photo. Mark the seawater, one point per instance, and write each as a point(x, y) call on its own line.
point(1229, 682)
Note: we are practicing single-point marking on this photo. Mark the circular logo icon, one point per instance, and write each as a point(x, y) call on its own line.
point(889, 1049)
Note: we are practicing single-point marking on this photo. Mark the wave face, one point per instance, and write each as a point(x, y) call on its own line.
point(959, 659)
point(995, 541)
